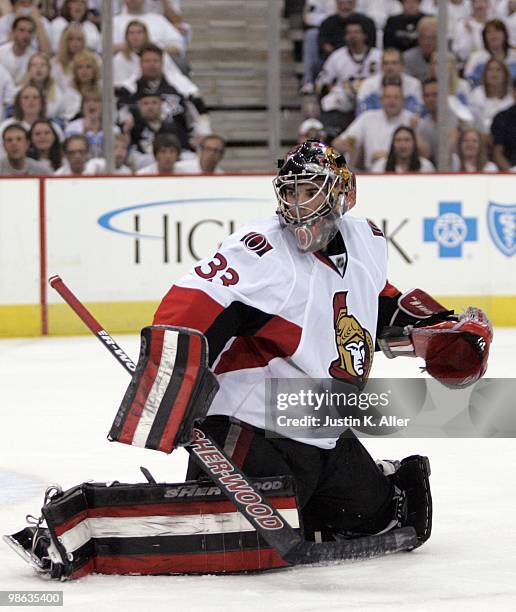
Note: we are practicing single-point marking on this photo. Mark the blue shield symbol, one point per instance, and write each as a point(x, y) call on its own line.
point(501, 221)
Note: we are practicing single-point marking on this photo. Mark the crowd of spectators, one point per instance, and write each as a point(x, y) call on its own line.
point(370, 82)
point(51, 91)
point(370, 69)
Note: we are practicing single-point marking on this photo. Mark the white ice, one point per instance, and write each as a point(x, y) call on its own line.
point(59, 397)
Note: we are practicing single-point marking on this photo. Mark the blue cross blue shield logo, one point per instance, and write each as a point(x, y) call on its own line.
point(450, 229)
point(501, 221)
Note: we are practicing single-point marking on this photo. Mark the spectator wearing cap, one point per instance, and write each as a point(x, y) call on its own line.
point(401, 30)
point(27, 8)
point(15, 140)
point(503, 132)
point(418, 59)
point(153, 81)
point(148, 120)
point(311, 128)
point(210, 152)
point(167, 150)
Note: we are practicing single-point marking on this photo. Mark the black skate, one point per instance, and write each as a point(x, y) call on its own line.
point(34, 545)
point(412, 477)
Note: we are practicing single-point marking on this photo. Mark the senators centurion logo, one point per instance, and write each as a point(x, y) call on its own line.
point(256, 243)
point(354, 344)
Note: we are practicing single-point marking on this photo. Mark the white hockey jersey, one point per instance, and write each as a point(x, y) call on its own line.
point(270, 311)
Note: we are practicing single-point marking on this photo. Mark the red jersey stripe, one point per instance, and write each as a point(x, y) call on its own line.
point(187, 307)
point(277, 338)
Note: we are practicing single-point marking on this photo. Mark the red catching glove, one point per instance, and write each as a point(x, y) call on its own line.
point(455, 350)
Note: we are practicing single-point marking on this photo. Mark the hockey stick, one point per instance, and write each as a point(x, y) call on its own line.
point(266, 520)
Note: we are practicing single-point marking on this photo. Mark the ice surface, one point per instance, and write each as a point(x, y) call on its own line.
point(59, 397)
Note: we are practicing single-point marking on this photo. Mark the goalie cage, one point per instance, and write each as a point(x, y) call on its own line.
point(149, 529)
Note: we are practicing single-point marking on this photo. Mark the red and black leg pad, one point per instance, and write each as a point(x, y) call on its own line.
point(171, 389)
point(151, 529)
point(412, 477)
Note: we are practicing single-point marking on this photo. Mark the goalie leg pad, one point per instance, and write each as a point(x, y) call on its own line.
point(151, 529)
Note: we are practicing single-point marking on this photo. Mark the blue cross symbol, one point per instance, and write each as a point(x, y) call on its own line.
point(450, 229)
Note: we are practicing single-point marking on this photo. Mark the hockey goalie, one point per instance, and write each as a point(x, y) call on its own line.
point(303, 294)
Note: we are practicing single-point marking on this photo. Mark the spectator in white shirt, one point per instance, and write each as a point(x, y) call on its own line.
point(45, 145)
point(29, 105)
point(372, 130)
point(496, 44)
point(71, 43)
point(427, 127)
point(210, 152)
point(127, 63)
point(90, 124)
point(161, 31)
point(27, 8)
point(16, 163)
point(493, 95)
point(471, 153)
point(468, 32)
point(15, 55)
point(457, 10)
point(457, 87)
point(167, 150)
point(60, 105)
point(85, 77)
point(75, 11)
point(403, 155)
point(76, 151)
point(369, 94)
point(7, 91)
point(351, 64)
point(510, 21)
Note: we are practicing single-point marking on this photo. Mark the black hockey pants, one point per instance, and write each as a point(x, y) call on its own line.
point(340, 489)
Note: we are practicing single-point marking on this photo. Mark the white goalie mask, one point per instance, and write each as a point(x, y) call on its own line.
point(314, 188)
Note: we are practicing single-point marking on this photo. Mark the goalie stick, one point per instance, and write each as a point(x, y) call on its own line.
point(252, 504)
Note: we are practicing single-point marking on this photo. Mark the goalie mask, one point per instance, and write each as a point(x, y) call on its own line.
point(314, 188)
